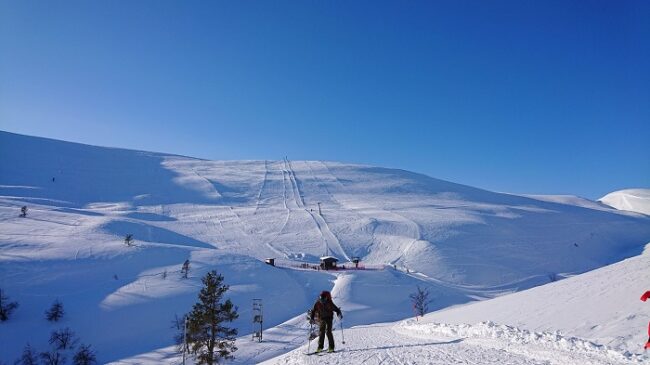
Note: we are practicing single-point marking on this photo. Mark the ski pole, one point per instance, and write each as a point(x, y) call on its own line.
point(309, 335)
point(342, 335)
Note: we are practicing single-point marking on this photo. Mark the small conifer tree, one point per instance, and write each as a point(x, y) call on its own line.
point(208, 337)
point(185, 270)
point(55, 312)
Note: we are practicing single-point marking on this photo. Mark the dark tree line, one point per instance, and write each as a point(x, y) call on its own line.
point(63, 342)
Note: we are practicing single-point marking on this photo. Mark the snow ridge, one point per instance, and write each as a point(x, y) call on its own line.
point(490, 330)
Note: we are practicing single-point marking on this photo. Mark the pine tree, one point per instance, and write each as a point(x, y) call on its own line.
point(84, 356)
point(209, 340)
point(55, 312)
point(6, 307)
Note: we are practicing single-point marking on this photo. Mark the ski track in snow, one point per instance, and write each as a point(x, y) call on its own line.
point(262, 186)
point(486, 343)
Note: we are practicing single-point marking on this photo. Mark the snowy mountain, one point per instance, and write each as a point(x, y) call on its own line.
point(408, 229)
point(633, 200)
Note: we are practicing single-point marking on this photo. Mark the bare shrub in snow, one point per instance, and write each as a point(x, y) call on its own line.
point(84, 356)
point(52, 358)
point(29, 357)
point(178, 323)
point(63, 339)
point(420, 300)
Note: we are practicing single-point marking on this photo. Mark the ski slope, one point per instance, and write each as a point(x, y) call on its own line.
point(545, 325)
point(465, 243)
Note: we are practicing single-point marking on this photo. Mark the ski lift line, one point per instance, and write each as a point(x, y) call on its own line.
point(295, 188)
point(284, 190)
point(264, 182)
point(209, 183)
point(287, 178)
point(286, 219)
point(323, 227)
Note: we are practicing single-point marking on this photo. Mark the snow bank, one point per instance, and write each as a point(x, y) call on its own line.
point(491, 330)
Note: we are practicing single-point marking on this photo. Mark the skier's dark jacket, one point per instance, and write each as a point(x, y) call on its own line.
point(325, 309)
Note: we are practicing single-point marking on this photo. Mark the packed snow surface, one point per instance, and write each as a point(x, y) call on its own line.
point(463, 243)
point(410, 342)
point(633, 200)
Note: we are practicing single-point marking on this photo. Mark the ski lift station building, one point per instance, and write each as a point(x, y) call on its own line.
point(328, 262)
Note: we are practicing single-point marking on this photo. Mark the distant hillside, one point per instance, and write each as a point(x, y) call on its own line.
point(464, 243)
point(455, 233)
point(633, 200)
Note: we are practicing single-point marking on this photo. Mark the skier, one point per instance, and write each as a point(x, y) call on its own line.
point(324, 309)
point(645, 297)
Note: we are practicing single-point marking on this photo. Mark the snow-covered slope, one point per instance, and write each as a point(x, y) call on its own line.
point(602, 305)
point(549, 324)
point(452, 232)
point(466, 243)
point(633, 200)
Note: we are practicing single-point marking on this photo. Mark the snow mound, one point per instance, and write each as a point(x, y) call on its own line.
point(633, 200)
point(602, 305)
point(553, 340)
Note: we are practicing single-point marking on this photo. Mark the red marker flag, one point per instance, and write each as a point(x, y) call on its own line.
point(645, 296)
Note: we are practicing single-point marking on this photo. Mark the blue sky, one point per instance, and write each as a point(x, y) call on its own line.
point(546, 97)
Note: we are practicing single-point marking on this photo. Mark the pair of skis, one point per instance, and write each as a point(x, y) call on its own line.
point(321, 353)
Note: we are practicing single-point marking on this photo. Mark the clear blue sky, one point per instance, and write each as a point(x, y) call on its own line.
point(548, 97)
